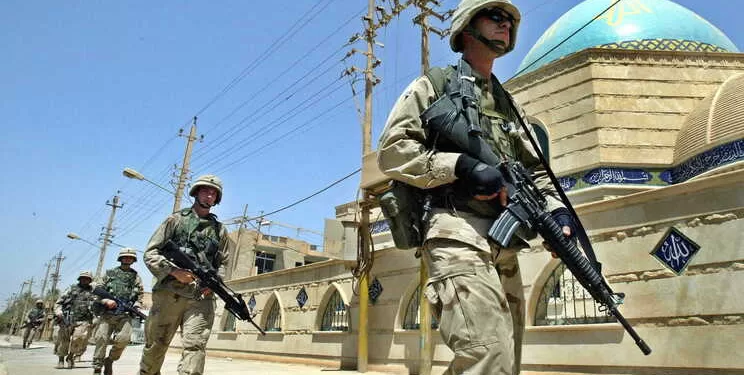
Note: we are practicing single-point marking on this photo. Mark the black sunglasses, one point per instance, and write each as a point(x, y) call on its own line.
point(497, 15)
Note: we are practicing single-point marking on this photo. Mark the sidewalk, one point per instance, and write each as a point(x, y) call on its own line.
point(39, 360)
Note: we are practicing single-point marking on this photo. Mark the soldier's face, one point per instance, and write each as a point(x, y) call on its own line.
point(127, 260)
point(84, 281)
point(207, 195)
point(494, 24)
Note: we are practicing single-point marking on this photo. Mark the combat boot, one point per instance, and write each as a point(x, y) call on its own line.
point(96, 371)
point(61, 363)
point(70, 361)
point(108, 366)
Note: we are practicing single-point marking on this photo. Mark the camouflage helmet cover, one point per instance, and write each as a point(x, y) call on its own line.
point(207, 180)
point(38, 301)
point(467, 9)
point(85, 274)
point(127, 252)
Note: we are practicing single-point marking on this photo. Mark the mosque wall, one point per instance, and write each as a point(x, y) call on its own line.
point(619, 107)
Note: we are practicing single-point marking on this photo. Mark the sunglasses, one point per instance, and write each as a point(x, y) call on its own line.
point(497, 15)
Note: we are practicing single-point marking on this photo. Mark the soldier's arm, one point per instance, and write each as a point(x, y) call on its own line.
point(156, 262)
point(402, 153)
point(139, 291)
point(63, 298)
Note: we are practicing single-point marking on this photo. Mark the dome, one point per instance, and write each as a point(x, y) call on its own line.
point(712, 135)
point(641, 25)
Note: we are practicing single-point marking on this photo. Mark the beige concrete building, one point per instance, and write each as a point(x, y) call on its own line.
point(646, 133)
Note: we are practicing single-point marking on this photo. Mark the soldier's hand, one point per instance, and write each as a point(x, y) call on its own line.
point(206, 292)
point(484, 181)
point(109, 303)
point(563, 217)
point(183, 276)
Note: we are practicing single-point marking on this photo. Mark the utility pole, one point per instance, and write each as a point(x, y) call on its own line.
point(107, 235)
point(46, 278)
point(16, 316)
point(181, 183)
point(237, 241)
point(53, 293)
point(426, 346)
point(25, 301)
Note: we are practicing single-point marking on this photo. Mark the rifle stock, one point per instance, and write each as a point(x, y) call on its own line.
point(121, 305)
point(234, 302)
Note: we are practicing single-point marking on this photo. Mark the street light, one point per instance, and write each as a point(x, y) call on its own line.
point(74, 236)
point(131, 173)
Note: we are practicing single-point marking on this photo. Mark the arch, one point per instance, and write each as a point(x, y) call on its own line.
point(273, 306)
point(335, 311)
point(408, 317)
point(559, 299)
point(542, 134)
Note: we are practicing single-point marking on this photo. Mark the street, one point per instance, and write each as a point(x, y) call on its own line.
point(39, 360)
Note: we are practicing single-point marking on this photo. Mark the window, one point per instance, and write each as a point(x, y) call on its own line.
point(298, 264)
point(335, 316)
point(229, 322)
point(564, 301)
point(274, 318)
point(412, 319)
point(265, 262)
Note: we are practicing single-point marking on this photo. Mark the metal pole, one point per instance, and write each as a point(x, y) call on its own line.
point(184, 167)
point(107, 235)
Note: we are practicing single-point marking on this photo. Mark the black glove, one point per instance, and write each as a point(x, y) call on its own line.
point(481, 178)
point(563, 217)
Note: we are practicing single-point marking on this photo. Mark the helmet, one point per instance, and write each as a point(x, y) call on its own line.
point(127, 252)
point(86, 274)
point(467, 9)
point(207, 180)
point(38, 301)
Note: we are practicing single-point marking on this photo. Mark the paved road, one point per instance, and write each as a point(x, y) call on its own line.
point(39, 360)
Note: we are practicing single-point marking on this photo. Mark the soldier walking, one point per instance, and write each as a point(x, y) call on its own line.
point(34, 320)
point(74, 314)
point(124, 283)
point(474, 285)
point(177, 300)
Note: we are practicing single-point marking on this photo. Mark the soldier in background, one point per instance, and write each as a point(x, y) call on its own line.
point(74, 314)
point(474, 285)
point(177, 300)
point(124, 283)
point(34, 320)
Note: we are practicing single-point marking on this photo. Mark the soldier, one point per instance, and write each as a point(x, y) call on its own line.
point(474, 286)
point(176, 298)
point(124, 283)
point(73, 312)
point(34, 320)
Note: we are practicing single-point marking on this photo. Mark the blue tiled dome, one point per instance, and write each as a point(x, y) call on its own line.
point(630, 24)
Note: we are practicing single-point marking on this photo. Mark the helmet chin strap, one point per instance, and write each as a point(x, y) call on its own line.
point(494, 45)
point(203, 205)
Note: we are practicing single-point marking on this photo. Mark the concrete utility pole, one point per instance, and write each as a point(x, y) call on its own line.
point(46, 278)
point(236, 254)
point(47, 332)
point(107, 235)
point(426, 346)
point(185, 165)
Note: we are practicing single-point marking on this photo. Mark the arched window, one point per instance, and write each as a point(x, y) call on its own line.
point(412, 319)
point(336, 315)
point(274, 318)
point(229, 325)
point(564, 301)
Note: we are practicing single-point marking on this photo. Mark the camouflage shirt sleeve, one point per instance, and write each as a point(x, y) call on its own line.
point(402, 154)
point(61, 301)
point(139, 291)
point(155, 262)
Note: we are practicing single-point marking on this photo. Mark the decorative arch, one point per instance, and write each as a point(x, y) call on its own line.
point(272, 315)
point(559, 299)
point(543, 135)
point(335, 312)
point(408, 317)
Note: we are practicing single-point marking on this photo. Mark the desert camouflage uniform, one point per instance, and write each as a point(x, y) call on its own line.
point(34, 320)
point(475, 287)
point(176, 304)
point(74, 338)
point(127, 286)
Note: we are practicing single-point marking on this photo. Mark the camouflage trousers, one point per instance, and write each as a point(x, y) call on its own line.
point(479, 300)
point(120, 326)
point(170, 311)
point(29, 333)
point(73, 339)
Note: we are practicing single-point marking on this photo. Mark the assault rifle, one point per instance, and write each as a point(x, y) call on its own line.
point(34, 323)
point(526, 207)
point(121, 305)
point(65, 320)
point(208, 278)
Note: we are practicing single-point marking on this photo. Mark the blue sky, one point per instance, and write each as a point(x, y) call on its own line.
point(89, 88)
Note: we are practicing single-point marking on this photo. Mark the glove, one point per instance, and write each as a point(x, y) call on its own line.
point(563, 217)
point(481, 178)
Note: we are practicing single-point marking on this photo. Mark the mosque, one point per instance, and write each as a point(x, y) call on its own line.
point(642, 118)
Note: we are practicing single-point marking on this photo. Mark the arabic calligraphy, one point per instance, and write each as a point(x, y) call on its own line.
point(676, 251)
point(616, 15)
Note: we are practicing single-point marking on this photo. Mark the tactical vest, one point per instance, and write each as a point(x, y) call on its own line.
point(201, 236)
point(79, 303)
point(36, 314)
point(122, 284)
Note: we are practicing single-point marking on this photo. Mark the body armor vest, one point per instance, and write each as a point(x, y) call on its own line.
point(201, 236)
point(122, 284)
point(79, 302)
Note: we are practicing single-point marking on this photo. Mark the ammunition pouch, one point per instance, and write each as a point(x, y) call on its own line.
point(402, 206)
